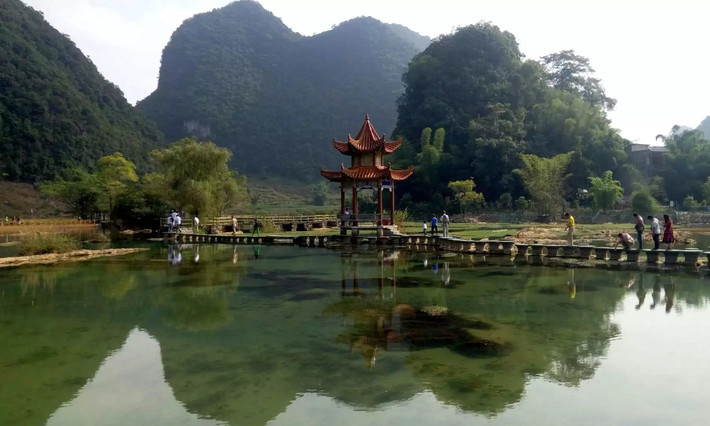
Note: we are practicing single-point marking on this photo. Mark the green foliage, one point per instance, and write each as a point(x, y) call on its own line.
point(197, 179)
point(37, 243)
point(402, 216)
point(495, 107)
point(605, 191)
point(56, 110)
point(464, 194)
point(114, 174)
point(544, 180)
point(573, 73)
point(689, 204)
point(687, 164)
point(269, 94)
point(706, 190)
point(643, 203)
point(319, 192)
point(522, 203)
point(78, 188)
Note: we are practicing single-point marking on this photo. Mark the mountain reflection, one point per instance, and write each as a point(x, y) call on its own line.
point(128, 388)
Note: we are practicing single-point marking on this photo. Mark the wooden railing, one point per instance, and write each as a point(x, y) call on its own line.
point(48, 222)
point(246, 220)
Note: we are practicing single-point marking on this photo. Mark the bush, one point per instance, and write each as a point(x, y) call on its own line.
point(643, 203)
point(47, 243)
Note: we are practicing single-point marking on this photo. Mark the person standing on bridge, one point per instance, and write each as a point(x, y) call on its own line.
point(257, 228)
point(177, 221)
point(434, 221)
point(235, 225)
point(196, 224)
point(445, 224)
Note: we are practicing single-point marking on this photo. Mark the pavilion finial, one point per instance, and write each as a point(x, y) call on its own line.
point(367, 117)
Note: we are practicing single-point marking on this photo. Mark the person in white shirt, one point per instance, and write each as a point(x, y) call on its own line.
point(177, 221)
point(195, 224)
point(655, 231)
point(445, 224)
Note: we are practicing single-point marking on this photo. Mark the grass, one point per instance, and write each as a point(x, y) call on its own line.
point(47, 243)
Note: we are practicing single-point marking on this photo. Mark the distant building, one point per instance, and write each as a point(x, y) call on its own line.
point(649, 159)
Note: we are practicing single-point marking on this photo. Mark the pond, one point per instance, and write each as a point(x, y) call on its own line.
point(222, 335)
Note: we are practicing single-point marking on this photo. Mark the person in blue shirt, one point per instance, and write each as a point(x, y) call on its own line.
point(434, 221)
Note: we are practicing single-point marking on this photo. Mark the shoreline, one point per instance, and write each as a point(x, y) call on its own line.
point(72, 256)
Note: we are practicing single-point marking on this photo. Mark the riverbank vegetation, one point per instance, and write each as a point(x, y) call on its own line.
point(45, 243)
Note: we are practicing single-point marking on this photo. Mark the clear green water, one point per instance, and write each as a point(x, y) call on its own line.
point(321, 337)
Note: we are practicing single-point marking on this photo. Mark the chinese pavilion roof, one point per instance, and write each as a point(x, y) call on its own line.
point(366, 173)
point(367, 141)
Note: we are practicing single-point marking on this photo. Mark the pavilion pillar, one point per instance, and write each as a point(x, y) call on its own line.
point(342, 199)
point(355, 209)
point(392, 202)
point(379, 204)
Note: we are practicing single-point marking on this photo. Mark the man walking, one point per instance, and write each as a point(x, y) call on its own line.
point(434, 221)
point(639, 226)
point(655, 231)
point(235, 225)
point(570, 228)
point(195, 224)
point(445, 224)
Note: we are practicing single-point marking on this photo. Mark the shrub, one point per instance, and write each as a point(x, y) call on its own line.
point(47, 243)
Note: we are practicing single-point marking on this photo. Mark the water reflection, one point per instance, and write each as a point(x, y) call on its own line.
point(128, 388)
point(243, 341)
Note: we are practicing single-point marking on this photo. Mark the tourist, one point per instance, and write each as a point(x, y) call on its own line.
point(235, 225)
point(639, 226)
point(195, 224)
point(256, 229)
point(570, 228)
point(170, 223)
point(434, 229)
point(177, 221)
point(625, 240)
point(445, 224)
point(424, 228)
point(655, 231)
point(668, 237)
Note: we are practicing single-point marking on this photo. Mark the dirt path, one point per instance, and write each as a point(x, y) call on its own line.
point(72, 256)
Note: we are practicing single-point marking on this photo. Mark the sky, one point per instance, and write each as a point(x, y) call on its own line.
point(650, 55)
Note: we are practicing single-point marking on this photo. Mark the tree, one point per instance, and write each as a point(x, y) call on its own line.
point(319, 192)
point(465, 196)
point(573, 73)
point(605, 191)
point(78, 188)
point(642, 202)
point(706, 190)
point(114, 173)
point(544, 180)
point(196, 177)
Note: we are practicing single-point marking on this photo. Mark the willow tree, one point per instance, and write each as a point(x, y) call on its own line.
point(544, 179)
point(197, 178)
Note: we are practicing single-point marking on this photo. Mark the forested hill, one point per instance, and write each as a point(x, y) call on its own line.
point(239, 77)
point(705, 127)
point(55, 107)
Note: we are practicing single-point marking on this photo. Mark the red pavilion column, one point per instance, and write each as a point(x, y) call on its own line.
point(342, 199)
point(392, 202)
point(379, 203)
point(355, 210)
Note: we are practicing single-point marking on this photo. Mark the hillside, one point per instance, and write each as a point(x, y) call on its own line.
point(55, 107)
point(705, 127)
point(240, 77)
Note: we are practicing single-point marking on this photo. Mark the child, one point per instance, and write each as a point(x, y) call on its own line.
point(424, 227)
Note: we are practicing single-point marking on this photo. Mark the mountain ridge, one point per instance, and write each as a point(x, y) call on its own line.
point(269, 93)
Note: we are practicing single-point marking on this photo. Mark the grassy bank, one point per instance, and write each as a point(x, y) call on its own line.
point(47, 243)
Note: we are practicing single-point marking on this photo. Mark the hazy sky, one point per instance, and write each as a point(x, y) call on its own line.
point(651, 55)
